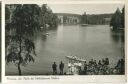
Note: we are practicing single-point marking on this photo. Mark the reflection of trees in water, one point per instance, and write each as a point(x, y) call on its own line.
point(117, 36)
point(45, 33)
point(41, 35)
point(44, 37)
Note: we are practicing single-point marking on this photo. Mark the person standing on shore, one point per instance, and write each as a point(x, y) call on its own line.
point(54, 67)
point(61, 66)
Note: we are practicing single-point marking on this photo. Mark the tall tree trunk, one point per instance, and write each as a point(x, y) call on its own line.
point(20, 58)
point(19, 69)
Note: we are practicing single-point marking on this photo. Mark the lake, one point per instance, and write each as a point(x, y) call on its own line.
point(87, 42)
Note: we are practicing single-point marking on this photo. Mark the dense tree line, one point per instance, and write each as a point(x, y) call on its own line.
point(117, 20)
point(99, 19)
point(7, 13)
point(84, 19)
point(123, 18)
point(48, 18)
point(65, 18)
point(95, 19)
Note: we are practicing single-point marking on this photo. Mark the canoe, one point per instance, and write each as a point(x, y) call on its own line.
point(84, 24)
point(75, 58)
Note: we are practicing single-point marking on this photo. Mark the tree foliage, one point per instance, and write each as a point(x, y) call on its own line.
point(65, 18)
point(7, 13)
point(24, 23)
point(123, 17)
point(48, 17)
point(116, 20)
point(84, 19)
point(97, 19)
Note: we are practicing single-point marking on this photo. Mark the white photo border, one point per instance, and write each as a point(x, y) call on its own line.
point(63, 79)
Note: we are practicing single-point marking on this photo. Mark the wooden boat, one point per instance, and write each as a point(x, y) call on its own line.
point(75, 58)
point(47, 34)
point(84, 24)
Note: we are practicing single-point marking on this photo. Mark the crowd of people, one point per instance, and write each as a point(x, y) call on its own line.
point(93, 67)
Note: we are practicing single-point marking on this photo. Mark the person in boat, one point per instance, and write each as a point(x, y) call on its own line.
point(95, 67)
point(74, 57)
point(54, 67)
point(61, 67)
point(106, 61)
point(79, 67)
point(95, 63)
point(85, 68)
point(115, 70)
point(75, 67)
point(99, 63)
point(103, 61)
point(91, 62)
point(69, 67)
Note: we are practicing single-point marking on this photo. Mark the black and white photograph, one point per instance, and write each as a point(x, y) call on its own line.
point(64, 39)
point(0, 41)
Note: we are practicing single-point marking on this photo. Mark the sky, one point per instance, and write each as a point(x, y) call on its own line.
point(88, 8)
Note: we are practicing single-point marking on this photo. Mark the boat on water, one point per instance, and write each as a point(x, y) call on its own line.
point(46, 34)
point(75, 58)
point(84, 24)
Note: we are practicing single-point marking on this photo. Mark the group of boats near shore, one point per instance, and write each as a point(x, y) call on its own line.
point(79, 66)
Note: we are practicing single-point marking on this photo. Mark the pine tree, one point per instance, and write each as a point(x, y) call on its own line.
point(47, 17)
point(123, 18)
point(84, 18)
point(116, 20)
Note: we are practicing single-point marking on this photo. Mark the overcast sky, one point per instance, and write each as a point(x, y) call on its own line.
point(88, 8)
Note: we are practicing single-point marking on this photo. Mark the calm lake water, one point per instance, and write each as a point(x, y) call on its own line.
point(90, 42)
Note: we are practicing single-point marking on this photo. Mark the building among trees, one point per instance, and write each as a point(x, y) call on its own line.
point(67, 18)
point(97, 19)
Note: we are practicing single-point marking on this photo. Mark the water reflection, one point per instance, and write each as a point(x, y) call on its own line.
point(117, 36)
